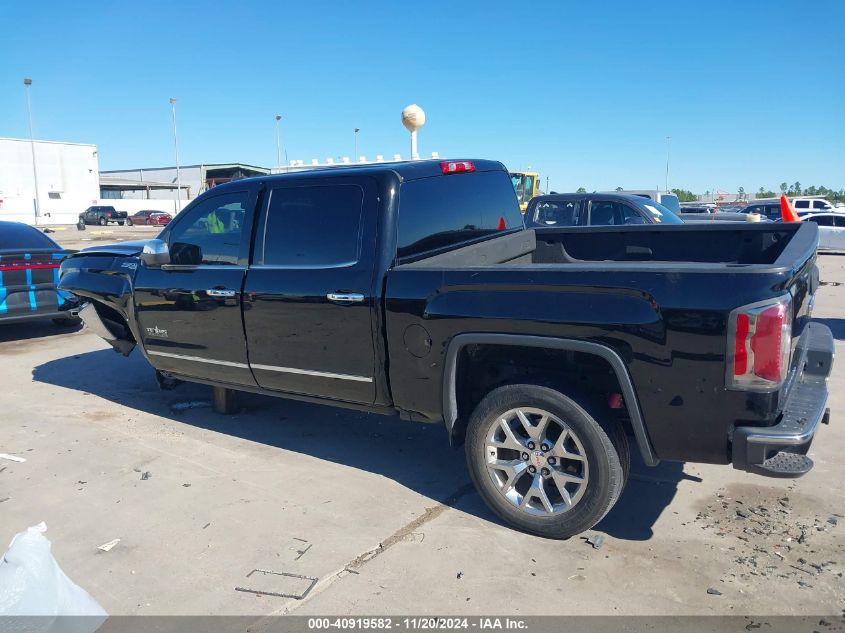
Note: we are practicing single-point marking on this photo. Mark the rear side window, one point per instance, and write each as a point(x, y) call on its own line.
point(822, 220)
point(556, 213)
point(22, 237)
point(443, 211)
point(802, 204)
point(314, 226)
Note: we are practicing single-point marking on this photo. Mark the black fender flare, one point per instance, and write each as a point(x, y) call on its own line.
point(450, 400)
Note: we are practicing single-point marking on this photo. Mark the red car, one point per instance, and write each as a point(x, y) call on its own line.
point(152, 218)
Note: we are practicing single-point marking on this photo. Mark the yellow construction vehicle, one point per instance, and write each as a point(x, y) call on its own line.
point(527, 185)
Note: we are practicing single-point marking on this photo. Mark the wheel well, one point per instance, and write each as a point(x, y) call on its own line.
point(484, 367)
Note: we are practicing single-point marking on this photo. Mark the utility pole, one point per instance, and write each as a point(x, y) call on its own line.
point(355, 155)
point(27, 82)
point(176, 147)
point(278, 141)
point(668, 141)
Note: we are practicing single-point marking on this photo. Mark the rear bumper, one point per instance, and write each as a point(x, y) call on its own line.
point(775, 451)
point(68, 308)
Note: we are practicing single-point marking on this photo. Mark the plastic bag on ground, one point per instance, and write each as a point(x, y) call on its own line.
point(37, 593)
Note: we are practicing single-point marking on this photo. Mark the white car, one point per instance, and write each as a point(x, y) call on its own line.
point(831, 230)
point(814, 205)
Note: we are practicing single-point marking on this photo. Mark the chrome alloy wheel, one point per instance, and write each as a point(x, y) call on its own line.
point(536, 461)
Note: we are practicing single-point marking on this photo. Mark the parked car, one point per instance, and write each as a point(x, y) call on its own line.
point(418, 292)
point(814, 205)
point(666, 198)
point(29, 272)
point(595, 209)
point(100, 215)
point(769, 210)
point(693, 207)
point(831, 230)
point(149, 218)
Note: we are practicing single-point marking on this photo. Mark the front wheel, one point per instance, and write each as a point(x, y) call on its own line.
point(542, 463)
point(80, 226)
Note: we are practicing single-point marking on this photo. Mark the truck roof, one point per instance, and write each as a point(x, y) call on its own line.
point(406, 170)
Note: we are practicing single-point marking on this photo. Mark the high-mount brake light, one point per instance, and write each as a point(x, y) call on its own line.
point(759, 345)
point(457, 167)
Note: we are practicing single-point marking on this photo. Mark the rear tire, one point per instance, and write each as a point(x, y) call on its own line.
point(102, 221)
point(580, 464)
point(128, 222)
point(121, 224)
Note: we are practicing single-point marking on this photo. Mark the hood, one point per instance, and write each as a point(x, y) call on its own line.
point(125, 249)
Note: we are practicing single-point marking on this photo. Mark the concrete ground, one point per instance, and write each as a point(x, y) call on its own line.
point(379, 511)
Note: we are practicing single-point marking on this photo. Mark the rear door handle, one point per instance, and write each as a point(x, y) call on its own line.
point(217, 292)
point(345, 297)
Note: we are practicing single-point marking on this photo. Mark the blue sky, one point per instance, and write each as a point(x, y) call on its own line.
point(751, 92)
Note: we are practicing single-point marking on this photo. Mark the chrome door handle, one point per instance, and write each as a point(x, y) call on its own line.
point(217, 292)
point(345, 297)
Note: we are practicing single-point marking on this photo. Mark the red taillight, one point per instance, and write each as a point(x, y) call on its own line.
point(457, 166)
point(740, 345)
point(762, 342)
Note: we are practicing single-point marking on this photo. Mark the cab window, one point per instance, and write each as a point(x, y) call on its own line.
point(822, 220)
point(556, 213)
point(802, 204)
point(210, 233)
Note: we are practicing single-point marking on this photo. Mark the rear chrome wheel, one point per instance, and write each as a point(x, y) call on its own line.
point(537, 461)
point(542, 462)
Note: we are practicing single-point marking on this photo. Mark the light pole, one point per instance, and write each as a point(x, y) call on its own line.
point(278, 140)
point(176, 148)
point(668, 141)
point(355, 155)
point(27, 82)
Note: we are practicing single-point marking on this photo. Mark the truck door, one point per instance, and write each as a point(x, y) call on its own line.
point(189, 311)
point(310, 291)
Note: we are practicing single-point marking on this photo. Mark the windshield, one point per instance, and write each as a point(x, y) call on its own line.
point(661, 214)
point(523, 184)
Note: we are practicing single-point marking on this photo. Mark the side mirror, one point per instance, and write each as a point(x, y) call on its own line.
point(155, 254)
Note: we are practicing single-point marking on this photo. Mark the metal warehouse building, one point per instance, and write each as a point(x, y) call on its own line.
point(195, 179)
point(68, 180)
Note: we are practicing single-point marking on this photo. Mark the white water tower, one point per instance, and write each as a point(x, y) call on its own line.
point(413, 118)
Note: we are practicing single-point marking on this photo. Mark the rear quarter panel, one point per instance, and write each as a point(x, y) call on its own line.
point(668, 326)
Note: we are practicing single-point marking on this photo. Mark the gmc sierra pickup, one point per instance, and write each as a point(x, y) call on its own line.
point(413, 288)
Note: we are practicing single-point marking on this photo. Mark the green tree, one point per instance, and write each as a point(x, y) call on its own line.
point(685, 195)
point(741, 194)
point(796, 188)
point(581, 190)
point(619, 189)
point(784, 187)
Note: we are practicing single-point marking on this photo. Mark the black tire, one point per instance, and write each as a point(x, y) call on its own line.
point(80, 226)
point(128, 221)
point(120, 223)
point(605, 450)
point(102, 221)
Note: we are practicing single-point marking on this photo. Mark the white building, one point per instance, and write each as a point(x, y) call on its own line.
point(68, 180)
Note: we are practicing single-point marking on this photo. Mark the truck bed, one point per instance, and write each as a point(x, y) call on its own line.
point(769, 245)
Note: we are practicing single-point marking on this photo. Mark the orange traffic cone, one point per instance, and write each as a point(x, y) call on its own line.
point(787, 213)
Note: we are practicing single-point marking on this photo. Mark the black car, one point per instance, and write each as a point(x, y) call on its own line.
point(769, 210)
point(595, 209)
point(29, 272)
point(100, 215)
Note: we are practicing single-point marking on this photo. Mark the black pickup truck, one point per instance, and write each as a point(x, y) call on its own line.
point(100, 215)
point(413, 288)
